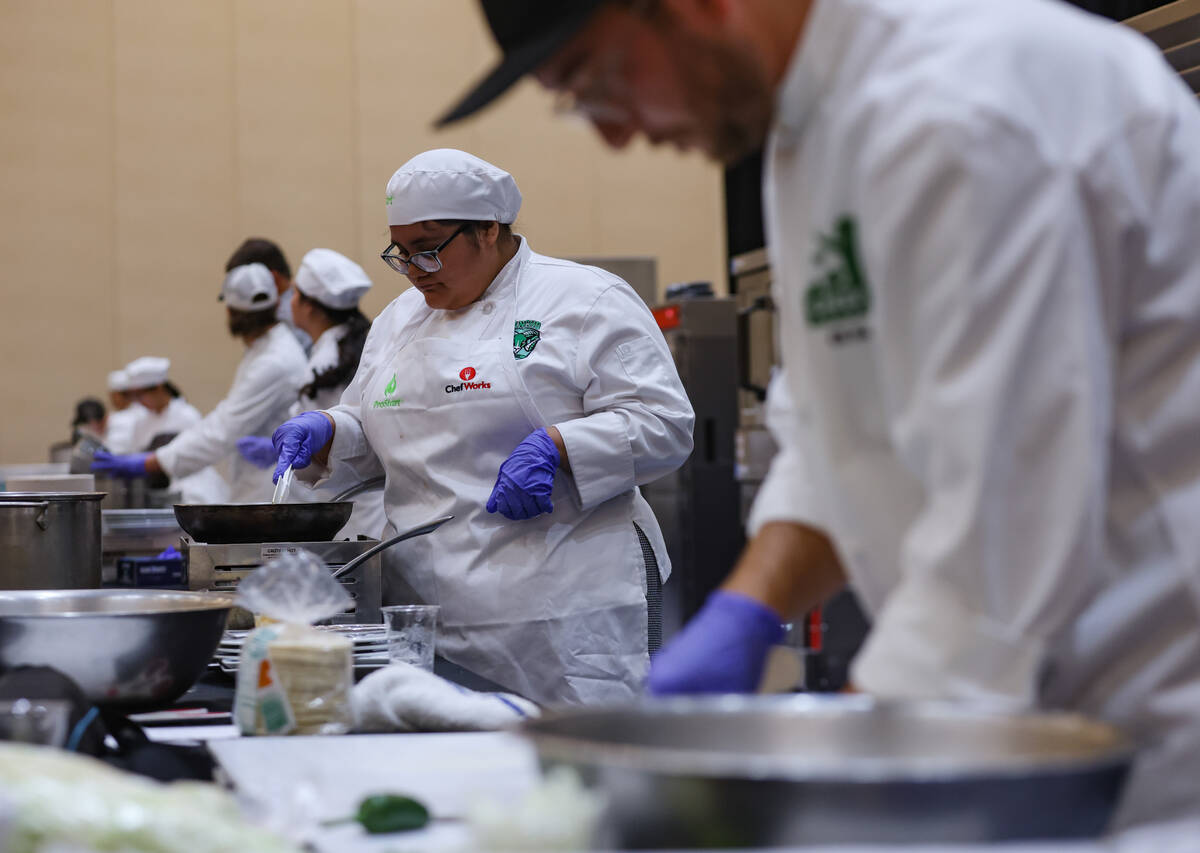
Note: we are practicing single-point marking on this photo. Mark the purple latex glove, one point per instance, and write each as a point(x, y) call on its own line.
point(722, 650)
point(169, 554)
point(130, 466)
point(526, 479)
point(258, 450)
point(298, 439)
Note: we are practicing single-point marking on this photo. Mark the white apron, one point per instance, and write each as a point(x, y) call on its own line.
point(553, 607)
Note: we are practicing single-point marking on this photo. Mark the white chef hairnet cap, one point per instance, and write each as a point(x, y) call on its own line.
point(250, 287)
point(332, 279)
point(147, 371)
point(449, 184)
point(118, 380)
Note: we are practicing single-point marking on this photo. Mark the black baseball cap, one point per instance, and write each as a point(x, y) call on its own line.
point(528, 32)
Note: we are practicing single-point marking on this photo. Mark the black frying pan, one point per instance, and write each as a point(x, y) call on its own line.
point(221, 524)
point(224, 524)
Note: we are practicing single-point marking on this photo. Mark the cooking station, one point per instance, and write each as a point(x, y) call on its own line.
point(220, 567)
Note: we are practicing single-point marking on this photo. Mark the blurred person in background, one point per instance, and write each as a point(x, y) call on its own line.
point(259, 250)
point(167, 415)
point(90, 418)
point(325, 297)
point(266, 384)
point(123, 416)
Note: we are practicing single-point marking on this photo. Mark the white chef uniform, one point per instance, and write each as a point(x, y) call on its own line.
point(982, 221)
point(265, 385)
point(206, 485)
point(552, 607)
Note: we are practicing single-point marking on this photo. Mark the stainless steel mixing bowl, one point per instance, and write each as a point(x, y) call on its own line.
point(127, 648)
point(772, 771)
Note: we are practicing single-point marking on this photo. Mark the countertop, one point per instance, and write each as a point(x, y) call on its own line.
point(300, 781)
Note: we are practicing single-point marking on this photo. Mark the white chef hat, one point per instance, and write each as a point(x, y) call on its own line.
point(118, 380)
point(250, 287)
point(147, 371)
point(449, 184)
point(332, 279)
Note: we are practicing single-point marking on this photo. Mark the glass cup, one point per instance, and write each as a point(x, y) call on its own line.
point(411, 633)
point(34, 721)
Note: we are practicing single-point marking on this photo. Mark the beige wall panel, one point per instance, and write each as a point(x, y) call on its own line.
point(142, 140)
point(297, 112)
point(56, 240)
point(411, 56)
point(176, 190)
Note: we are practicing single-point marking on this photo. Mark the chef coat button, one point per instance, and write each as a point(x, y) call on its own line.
point(488, 308)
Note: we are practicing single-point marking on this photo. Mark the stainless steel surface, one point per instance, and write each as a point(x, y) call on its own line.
point(697, 504)
point(221, 567)
point(263, 522)
point(774, 771)
point(420, 530)
point(50, 540)
point(135, 533)
point(126, 648)
point(359, 488)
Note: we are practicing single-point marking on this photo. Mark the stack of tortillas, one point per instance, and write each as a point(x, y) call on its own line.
point(316, 671)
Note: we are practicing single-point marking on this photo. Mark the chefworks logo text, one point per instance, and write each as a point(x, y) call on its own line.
point(466, 375)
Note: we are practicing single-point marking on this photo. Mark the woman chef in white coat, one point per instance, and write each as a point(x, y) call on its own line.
point(123, 415)
point(167, 415)
point(528, 397)
point(264, 387)
point(325, 296)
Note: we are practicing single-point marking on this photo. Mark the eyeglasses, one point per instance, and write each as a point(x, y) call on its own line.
point(598, 89)
point(595, 90)
point(427, 261)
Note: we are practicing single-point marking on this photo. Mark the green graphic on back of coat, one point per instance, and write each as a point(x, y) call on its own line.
point(526, 335)
point(839, 288)
point(388, 400)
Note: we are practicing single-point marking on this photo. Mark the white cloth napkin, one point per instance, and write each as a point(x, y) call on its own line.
point(405, 698)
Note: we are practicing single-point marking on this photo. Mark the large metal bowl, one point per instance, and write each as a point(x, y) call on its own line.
point(128, 649)
point(772, 771)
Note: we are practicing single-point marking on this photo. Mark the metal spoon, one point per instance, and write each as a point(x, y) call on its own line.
point(428, 527)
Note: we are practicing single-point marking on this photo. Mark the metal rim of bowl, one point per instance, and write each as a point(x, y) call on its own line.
point(717, 764)
point(200, 602)
point(23, 497)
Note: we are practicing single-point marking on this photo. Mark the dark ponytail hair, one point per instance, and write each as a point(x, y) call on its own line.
point(172, 390)
point(350, 346)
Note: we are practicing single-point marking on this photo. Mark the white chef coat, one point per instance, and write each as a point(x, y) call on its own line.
point(265, 386)
point(118, 430)
point(552, 607)
point(204, 486)
point(982, 219)
point(368, 518)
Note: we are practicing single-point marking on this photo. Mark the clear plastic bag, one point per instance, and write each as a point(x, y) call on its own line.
point(292, 678)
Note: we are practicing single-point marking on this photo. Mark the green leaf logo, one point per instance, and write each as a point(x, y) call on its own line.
point(391, 386)
point(389, 197)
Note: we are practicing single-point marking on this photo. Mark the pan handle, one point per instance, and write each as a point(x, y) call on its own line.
point(428, 527)
point(358, 488)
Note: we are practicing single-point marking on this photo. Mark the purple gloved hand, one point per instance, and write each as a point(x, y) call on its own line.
point(258, 450)
point(298, 439)
point(130, 466)
point(526, 479)
point(722, 650)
